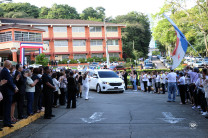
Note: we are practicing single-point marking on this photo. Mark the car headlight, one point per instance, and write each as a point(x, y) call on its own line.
point(106, 83)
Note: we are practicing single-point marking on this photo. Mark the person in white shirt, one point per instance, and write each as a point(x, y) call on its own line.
point(201, 100)
point(157, 83)
point(30, 90)
point(57, 91)
point(141, 82)
point(85, 82)
point(171, 77)
point(145, 80)
point(182, 87)
point(149, 83)
point(154, 81)
point(163, 79)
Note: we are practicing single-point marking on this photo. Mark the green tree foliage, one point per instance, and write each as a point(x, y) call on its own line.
point(42, 60)
point(62, 11)
point(137, 30)
point(20, 9)
point(192, 22)
point(90, 13)
point(16, 15)
point(44, 12)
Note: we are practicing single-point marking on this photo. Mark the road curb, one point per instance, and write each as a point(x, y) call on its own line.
point(20, 124)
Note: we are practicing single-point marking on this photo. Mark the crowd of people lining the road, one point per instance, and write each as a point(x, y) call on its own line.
point(191, 84)
point(42, 88)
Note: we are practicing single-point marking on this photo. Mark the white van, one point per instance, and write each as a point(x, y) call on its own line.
point(106, 80)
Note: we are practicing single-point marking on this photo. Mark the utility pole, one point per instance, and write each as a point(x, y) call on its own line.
point(106, 48)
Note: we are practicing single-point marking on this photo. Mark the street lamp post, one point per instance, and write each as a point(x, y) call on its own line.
point(106, 48)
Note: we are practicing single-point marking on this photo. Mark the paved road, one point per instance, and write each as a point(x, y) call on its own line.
point(159, 63)
point(127, 115)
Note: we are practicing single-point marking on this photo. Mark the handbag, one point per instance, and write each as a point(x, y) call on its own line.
point(1, 96)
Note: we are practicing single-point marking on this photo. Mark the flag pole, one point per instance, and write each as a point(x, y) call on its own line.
point(193, 48)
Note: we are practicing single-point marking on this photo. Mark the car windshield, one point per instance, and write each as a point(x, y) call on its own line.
point(107, 74)
point(198, 62)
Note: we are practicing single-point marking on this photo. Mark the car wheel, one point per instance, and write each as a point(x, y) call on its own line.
point(122, 91)
point(98, 89)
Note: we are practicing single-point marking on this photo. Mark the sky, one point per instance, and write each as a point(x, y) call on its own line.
point(113, 7)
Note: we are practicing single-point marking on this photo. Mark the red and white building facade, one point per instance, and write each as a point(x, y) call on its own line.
point(60, 38)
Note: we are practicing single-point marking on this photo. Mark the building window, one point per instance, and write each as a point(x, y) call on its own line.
point(97, 55)
point(59, 29)
point(95, 29)
point(61, 43)
point(42, 27)
point(79, 56)
point(46, 42)
point(96, 42)
point(5, 36)
point(78, 29)
point(112, 42)
point(114, 54)
point(65, 57)
point(79, 43)
point(27, 36)
point(112, 29)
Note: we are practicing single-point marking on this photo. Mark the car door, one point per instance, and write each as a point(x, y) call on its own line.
point(94, 80)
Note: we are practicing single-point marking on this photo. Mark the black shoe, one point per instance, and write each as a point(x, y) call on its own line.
point(22, 117)
point(168, 101)
point(73, 107)
point(68, 107)
point(52, 115)
point(13, 122)
point(8, 126)
point(47, 117)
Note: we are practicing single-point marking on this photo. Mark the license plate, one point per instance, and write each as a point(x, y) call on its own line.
point(115, 88)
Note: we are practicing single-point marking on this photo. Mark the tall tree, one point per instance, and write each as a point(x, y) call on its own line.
point(90, 13)
point(43, 12)
point(30, 10)
point(137, 30)
point(62, 12)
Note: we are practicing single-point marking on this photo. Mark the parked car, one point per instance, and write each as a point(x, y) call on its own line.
point(198, 58)
point(158, 56)
point(198, 64)
point(149, 66)
point(106, 80)
point(190, 63)
point(205, 61)
point(112, 67)
point(119, 67)
point(162, 59)
point(186, 61)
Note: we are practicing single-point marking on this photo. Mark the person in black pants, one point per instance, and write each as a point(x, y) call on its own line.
point(37, 94)
point(182, 87)
point(145, 79)
point(48, 89)
point(125, 78)
point(71, 91)
point(21, 85)
point(8, 91)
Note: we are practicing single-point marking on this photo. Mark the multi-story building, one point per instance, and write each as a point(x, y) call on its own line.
point(62, 38)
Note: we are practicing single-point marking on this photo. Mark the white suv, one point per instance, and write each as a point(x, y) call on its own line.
point(106, 80)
